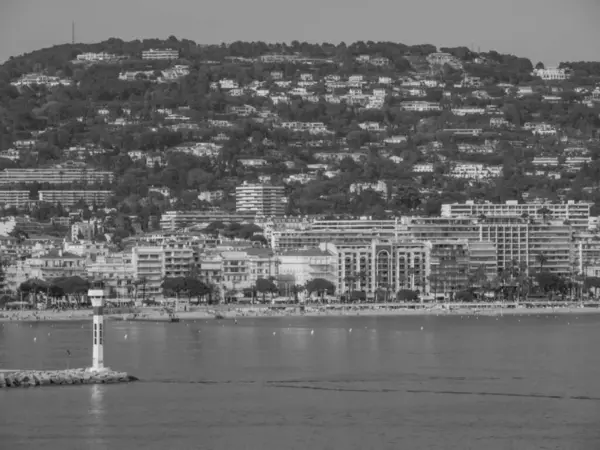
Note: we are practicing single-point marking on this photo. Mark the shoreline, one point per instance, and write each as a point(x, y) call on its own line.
point(243, 312)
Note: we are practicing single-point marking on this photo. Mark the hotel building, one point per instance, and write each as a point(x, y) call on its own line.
point(301, 266)
point(263, 199)
point(388, 266)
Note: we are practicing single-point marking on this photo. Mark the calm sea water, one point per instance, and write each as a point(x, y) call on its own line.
point(389, 383)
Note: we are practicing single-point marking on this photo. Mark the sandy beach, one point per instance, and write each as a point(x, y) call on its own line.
point(241, 312)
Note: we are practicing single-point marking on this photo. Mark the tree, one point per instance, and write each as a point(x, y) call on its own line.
point(479, 279)
point(196, 288)
point(297, 289)
point(321, 286)
point(265, 286)
point(407, 295)
point(542, 259)
point(75, 286)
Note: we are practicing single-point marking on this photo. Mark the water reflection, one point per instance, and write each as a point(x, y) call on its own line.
point(97, 416)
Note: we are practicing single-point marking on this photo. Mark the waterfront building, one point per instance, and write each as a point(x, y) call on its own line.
point(149, 270)
point(298, 267)
point(483, 255)
point(179, 259)
point(449, 265)
point(116, 272)
point(381, 266)
point(263, 199)
point(57, 264)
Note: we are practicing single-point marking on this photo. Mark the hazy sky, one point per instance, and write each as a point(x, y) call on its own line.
point(542, 30)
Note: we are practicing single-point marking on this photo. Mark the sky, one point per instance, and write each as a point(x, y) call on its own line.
point(549, 31)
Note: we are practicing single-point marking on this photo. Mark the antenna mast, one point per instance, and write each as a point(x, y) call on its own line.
point(73, 32)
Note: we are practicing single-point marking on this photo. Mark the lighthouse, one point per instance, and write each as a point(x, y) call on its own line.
point(96, 296)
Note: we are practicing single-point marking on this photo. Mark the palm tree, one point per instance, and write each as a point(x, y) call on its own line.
point(361, 276)
point(542, 259)
point(350, 279)
point(479, 278)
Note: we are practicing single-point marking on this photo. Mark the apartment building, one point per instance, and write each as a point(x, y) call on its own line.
point(174, 220)
point(240, 269)
point(515, 238)
point(380, 187)
point(577, 213)
point(57, 264)
point(102, 56)
point(149, 270)
point(484, 255)
point(449, 265)
point(179, 259)
point(70, 198)
point(337, 231)
point(55, 175)
point(551, 74)
point(116, 272)
point(166, 53)
point(420, 106)
point(14, 198)
point(475, 171)
point(263, 199)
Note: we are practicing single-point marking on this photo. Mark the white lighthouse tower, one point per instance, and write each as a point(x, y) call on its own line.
point(96, 295)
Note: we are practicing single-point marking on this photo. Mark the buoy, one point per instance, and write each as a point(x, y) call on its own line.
point(312, 331)
point(421, 328)
point(274, 333)
point(125, 337)
point(350, 330)
point(34, 339)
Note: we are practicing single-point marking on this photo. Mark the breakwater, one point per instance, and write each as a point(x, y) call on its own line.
point(33, 378)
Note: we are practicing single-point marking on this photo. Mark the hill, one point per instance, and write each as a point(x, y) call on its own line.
point(368, 128)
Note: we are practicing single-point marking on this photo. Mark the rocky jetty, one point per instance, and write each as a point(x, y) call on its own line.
point(32, 378)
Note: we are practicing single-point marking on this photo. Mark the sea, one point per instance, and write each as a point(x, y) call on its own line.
point(447, 382)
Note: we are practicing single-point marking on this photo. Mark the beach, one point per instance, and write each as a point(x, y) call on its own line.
point(257, 311)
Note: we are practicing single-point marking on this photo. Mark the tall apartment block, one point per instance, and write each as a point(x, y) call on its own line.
point(264, 199)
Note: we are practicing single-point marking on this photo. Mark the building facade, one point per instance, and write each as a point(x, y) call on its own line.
point(70, 198)
point(14, 198)
point(263, 199)
point(154, 54)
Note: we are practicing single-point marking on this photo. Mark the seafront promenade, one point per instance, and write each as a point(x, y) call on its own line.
point(313, 310)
